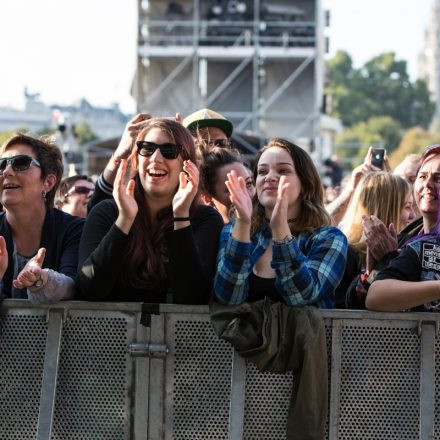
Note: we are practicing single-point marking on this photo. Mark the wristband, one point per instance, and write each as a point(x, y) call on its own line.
point(285, 240)
point(181, 219)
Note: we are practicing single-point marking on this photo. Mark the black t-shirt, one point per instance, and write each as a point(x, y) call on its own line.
point(418, 261)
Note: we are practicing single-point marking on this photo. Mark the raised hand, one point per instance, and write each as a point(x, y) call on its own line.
point(239, 196)
point(278, 221)
point(188, 185)
point(31, 272)
point(380, 239)
point(3, 257)
point(131, 131)
point(123, 194)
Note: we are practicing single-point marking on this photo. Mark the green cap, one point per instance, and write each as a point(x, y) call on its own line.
point(208, 118)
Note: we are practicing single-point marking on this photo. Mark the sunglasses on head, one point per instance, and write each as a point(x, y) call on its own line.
point(168, 151)
point(20, 162)
point(79, 190)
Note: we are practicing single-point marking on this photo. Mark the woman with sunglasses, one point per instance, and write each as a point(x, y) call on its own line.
point(154, 242)
point(74, 194)
point(38, 244)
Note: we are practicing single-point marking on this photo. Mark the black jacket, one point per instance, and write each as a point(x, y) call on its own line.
point(61, 235)
point(192, 253)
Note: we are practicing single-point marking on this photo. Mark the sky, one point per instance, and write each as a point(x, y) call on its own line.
point(68, 50)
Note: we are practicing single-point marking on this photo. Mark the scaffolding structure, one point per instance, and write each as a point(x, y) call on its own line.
point(258, 62)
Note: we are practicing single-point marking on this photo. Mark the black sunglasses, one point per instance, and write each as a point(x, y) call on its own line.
point(221, 143)
point(20, 162)
point(168, 151)
point(79, 190)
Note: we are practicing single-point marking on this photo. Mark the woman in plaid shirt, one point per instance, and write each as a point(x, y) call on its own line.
point(281, 244)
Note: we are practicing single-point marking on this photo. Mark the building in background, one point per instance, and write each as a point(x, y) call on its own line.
point(258, 62)
point(36, 115)
point(429, 58)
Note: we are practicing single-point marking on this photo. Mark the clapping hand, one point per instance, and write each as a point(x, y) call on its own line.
point(188, 185)
point(31, 272)
point(278, 221)
point(380, 239)
point(239, 197)
point(123, 194)
point(3, 257)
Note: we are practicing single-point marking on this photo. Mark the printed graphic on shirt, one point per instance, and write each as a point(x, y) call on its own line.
point(431, 256)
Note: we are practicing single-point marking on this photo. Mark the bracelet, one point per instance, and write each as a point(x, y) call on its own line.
point(181, 219)
point(285, 240)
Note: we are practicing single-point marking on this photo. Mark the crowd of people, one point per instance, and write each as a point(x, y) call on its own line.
point(178, 216)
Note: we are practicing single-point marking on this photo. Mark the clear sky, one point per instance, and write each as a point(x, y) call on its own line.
point(67, 50)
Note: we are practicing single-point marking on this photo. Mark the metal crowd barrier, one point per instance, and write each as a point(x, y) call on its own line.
point(80, 370)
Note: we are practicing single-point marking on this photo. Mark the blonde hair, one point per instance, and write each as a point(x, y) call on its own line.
point(380, 194)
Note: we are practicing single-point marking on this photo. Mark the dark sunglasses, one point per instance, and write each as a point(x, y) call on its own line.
point(168, 151)
point(221, 143)
point(20, 162)
point(79, 190)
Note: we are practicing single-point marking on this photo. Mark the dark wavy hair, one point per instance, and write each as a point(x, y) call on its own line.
point(47, 152)
point(312, 212)
point(147, 255)
point(212, 162)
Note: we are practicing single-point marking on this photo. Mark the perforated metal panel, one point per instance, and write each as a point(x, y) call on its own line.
point(198, 379)
point(380, 374)
point(267, 401)
point(437, 390)
point(22, 348)
point(92, 400)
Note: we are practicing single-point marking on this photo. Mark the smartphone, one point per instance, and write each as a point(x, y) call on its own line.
point(377, 157)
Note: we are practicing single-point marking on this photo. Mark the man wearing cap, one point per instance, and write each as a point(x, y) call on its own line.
point(209, 128)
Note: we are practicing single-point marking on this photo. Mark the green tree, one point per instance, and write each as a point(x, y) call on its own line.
point(414, 141)
point(381, 131)
point(381, 87)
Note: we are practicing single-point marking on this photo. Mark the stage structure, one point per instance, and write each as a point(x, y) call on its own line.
point(259, 62)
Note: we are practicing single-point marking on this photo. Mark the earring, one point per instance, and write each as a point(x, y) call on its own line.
point(44, 196)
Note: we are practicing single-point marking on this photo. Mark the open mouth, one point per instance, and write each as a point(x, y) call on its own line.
point(10, 186)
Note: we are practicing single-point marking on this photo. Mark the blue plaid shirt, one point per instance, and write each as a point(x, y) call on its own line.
point(308, 268)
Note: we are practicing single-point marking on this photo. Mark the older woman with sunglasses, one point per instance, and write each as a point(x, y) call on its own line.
point(38, 244)
point(154, 242)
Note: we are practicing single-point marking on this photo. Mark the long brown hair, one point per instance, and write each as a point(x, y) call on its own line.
point(145, 264)
point(312, 212)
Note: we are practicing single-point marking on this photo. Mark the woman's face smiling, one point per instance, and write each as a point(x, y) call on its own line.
point(159, 176)
point(426, 190)
point(274, 163)
point(22, 188)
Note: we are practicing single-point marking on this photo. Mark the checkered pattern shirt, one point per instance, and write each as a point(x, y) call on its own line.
point(308, 268)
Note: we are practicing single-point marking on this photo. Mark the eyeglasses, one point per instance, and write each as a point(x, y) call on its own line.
point(220, 143)
point(168, 151)
point(80, 190)
point(20, 162)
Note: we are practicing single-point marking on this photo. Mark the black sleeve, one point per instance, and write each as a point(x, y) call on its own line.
point(101, 250)
point(68, 263)
point(193, 254)
point(405, 267)
point(99, 194)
